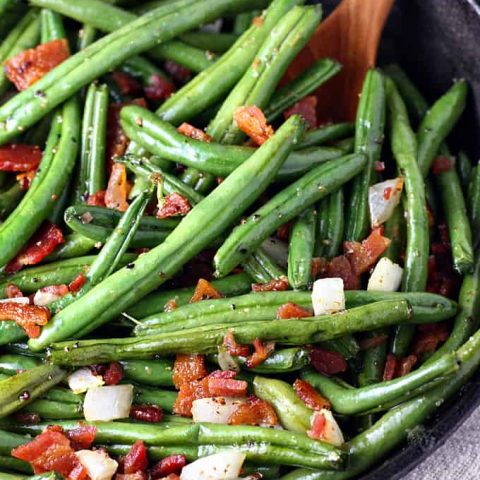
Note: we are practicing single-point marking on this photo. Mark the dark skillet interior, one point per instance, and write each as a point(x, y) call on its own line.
point(435, 41)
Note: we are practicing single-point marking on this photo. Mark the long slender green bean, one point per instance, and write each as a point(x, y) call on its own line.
point(213, 42)
point(330, 225)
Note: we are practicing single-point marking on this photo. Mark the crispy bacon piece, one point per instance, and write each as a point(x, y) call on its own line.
point(390, 368)
point(252, 122)
point(309, 395)
point(363, 255)
point(146, 413)
point(77, 283)
point(319, 267)
point(136, 459)
point(222, 386)
point(340, 267)
point(292, 310)
point(254, 412)
point(26, 179)
point(193, 132)
point(25, 68)
point(204, 291)
point(327, 362)
point(172, 205)
point(117, 189)
point(283, 233)
point(17, 157)
point(307, 108)
point(261, 353)
point(442, 164)
point(27, 418)
point(318, 427)
point(159, 88)
point(43, 243)
point(97, 199)
point(171, 465)
point(29, 317)
point(405, 365)
point(373, 342)
point(82, 436)
point(13, 291)
point(126, 83)
point(429, 337)
point(275, 285)
point(51, 451)
point(234, 348)
point(188, 368)
point(113, 374)
point(50, 294)
point(187, 394)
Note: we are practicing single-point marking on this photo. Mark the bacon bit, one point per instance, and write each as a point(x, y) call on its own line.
point(172, 205)
point(309, 395)
point(126, 83)
point(51, 451)
point(13, 291)
point(159, 88)
point(442, 164)
point(390, 367)
point(188, 368)
point(146, 413)
point(77, 283)
point(429, 337)
point(29, 317)
point(50, 293)
point(234, 348)
point(363, 255)
point(193, 132)
point(405, 365)
point(327, 362)
point(379, 166)
point(178, 72)
point(307, 108)
point(319, 267)
point(275, 285)
point(136, 459)
point(292, 310)
point(373, 342)
point(283, 233)
point(31, 65)
point(28, 418)
point(97, 199)
point(26, 179)
point(18, 157)
point(226, 387)
point(43, 243)
point(254, 412)
point(82, 436)
point(171, 465)
point(251, 121)
point(189, 392)
point(113, 374)
point(170, 306)
point(204, 291)
point(319, 422)
point(340, 267)
point(387, 193)
point(117, 189)
point(261, 353)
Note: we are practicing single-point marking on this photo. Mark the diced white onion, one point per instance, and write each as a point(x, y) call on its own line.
point(328, 296)
point(226, 361)
point(386, 276)
point(108, 403)
point(382, 199)
point(98, 464)
point(215, 409)
point(42, 298)
point(220, 466)
point(83, 379)
point(331, 433)
point(21, 300)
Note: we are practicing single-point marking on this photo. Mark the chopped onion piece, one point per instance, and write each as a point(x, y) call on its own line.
point(325, 428)
point(98, 464)
point(83, 379)
point(108, 403)
point(382, 199)
point(386, 276)
point(328, 296)
point(226, 361)
point(220, 466)
point(42, 297)
point(21, 300)
point(215, 409)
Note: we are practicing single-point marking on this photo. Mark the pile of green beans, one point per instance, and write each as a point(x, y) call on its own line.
point(266, 218)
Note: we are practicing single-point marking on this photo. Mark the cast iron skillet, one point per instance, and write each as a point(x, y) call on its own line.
point(435, 41)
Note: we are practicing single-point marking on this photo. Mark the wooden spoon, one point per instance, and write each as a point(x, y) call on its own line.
point(350, 35)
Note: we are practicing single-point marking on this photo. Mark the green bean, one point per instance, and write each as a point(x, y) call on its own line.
point(16, 465)
point(9, 199)
point(10, 332)
point(404, 147)
point(86, 36)
point(19, 390)
point(75, 245)
point(300, 250)
point(149, 372)
point(9, 440)
point(243, 21)
point(162, 139)
point(395, 231)
point(319, 72)
point(63, 395)
point(292, 412)
point(152, 269)
point(10, 364)
point(331, 224)
point(294, 332)
point(23, 36)
point(165, 399)
point(369, 133)
point(438, 122)
point(213, 42)
point(474, 201)
point(48, 409)
point(464, 170)
point(232, 285)
point(143, 69)
point(51, 26)
point(346, 345)
point(74, 73)
point(373, 361)
point(10, 12)
point(158, 452)
point(284, 206)
point(326, 134)
point(268, 264)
